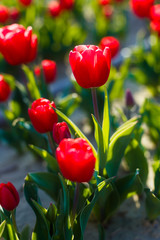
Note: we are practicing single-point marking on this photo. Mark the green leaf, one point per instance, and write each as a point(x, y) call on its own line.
point(75, 129)
point(51, 161)
point(2, 227)
point(102, 153)
point(31, 84)
point(152, 205)
point(65, 209)
point(135, 158)
point(11, 232)
point(25, 234)
point(156, 168)
point(106, 122)
point(118, 143)
point(46, 181)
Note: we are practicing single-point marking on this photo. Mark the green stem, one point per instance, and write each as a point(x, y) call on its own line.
point(95, 104)
point(51, 143)
point(75, 202)
point(14, 221)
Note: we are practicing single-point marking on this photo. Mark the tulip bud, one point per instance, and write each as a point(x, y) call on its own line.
point(108, 11)
point(112, 43)
point(49, 69)
point(76, 159)
point(141, 8)
point(66, 4)
point(90, 65)
point(54, 8)
point(60, 131)
point(25, 3)
point(129, 99)
point(9, 197)
point(4, 14)
point(37, 71)
point(14, 14)
point(42, 115)
point(13, 39)
point(5, 90)
point(104, 2)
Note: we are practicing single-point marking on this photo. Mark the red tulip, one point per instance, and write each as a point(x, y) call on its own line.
point(90, 65)
point(54, 8)
point(129, 99)
point(76, 159)
point(155, 26)
point(14, 14)
point(17, 44)
point(141, 8)
point(112, 43)
point(66, 4)
point(42, 115)
point(108, 11)
point(104, 2)
point(25, 3)
point(37, 71)
point(155, 13)
point(5, 90)
point(60, 131)
point(9, 197)
point(49, 69)
point(4, 14)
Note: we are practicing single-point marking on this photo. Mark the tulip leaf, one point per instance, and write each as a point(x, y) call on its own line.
point(102, 153)
point(25, 234)
point(156, 168)
point(135, 158)
point(152, 205)
point(74, 128)
point(106, 122)
point(31, 84)
point(46, 181)
point(11, 232)
point(2, 227)
point(118, 143)
point(65, 209)
point(50, 160)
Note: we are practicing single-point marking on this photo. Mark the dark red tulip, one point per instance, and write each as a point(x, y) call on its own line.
point(49, 68)
point(5, 90)
point(13, 39)
point(141, 8)
point(4, 14)
point(76, 159)
point(42, 115)
point(9, 197)
point(60, 131)
point(90, 65)
point(14, 14)
point(66, 4)
point(112, 43)
point(54, 8)
point(129, 99)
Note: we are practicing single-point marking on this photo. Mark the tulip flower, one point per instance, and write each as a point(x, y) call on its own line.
point(49, 69)
point(104, 2)
point(17, 44)
point(60, 131)
point(42, 115)
point(25, 3)
point(4, 14)
point(90, 65)
point(66, 4)
point(9, 197)
point(37, 71)
point(108, 11)
point(112, 43)
point(129, 99)
point(54, 8)
point(155, 26)
point(14, 14)
point(5, 90)
point(141, 8)
point(76, 159)
point(155, 13)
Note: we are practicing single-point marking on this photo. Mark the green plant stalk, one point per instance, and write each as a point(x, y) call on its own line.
point(51, 143)
point(75, 202)
point(14, 221)
point(95, 104)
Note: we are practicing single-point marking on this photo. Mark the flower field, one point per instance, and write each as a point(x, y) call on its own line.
point(79, 119)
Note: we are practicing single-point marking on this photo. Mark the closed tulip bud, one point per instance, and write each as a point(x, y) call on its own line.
point(129, 99)
point(9, 197)
point(14, 14)
point(90, 65)
point(141, 8)
point(25, 3)
point(13, 39)
point(66, 4)
point(60, 131)
point(76, 159)
point(4, 14)
point(112, 43)
point(54, 8)
point(37, 71)
point(42, 115)
point(49, 69)
point(5, 90)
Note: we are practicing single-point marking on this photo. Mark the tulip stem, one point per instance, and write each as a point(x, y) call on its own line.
point(14, 221)
point(75, 201)
point(51, 143)
point(95, 104)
